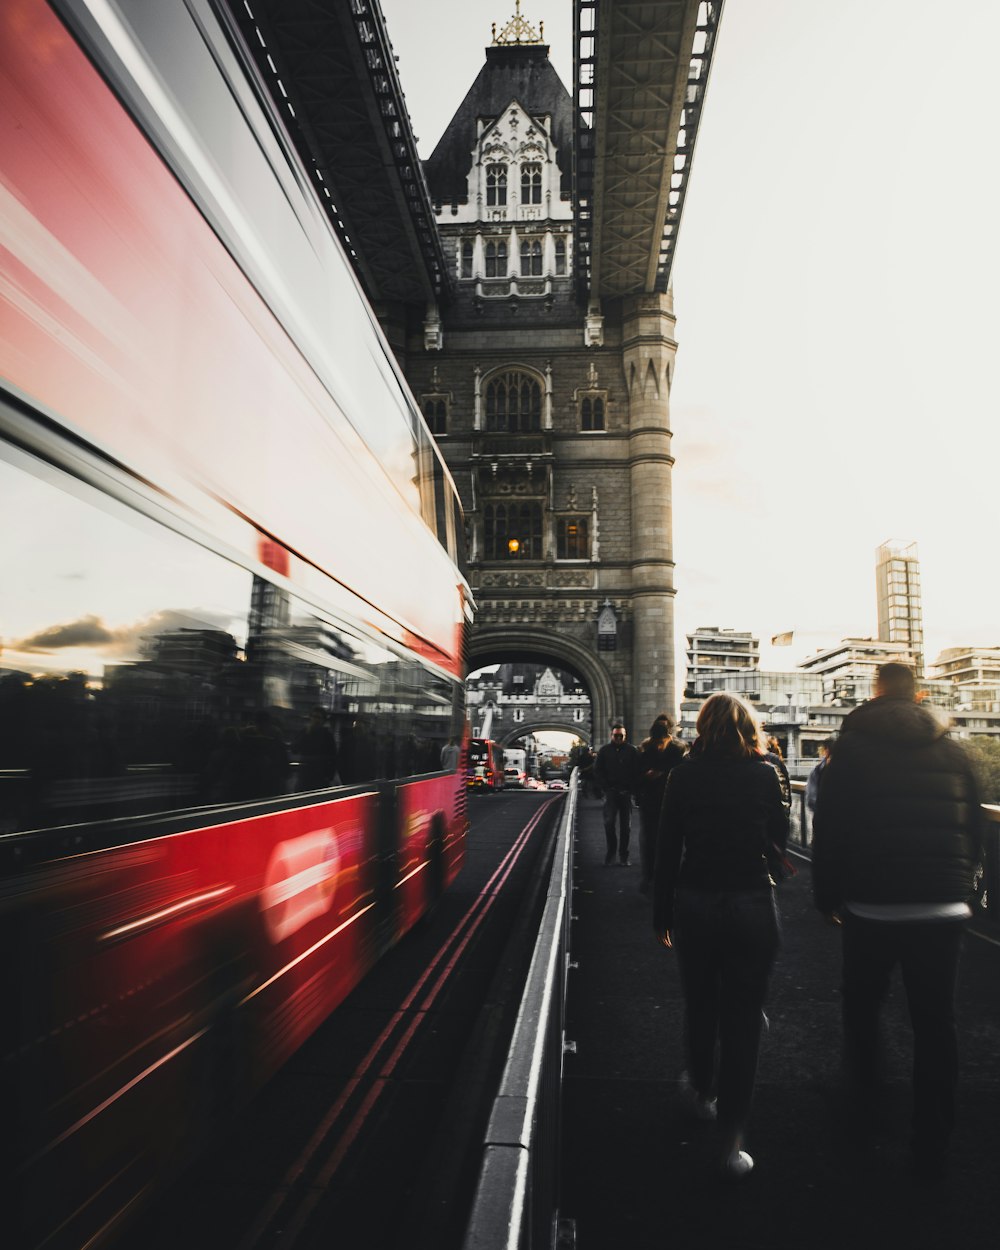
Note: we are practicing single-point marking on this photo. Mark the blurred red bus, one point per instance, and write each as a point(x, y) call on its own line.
point(233, 629)
point(485, 765)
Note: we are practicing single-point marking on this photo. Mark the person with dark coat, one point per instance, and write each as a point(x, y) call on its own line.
point(896, 846)
point(657, 756)
point(616, 771)
point(722, 821)
point(317, 748)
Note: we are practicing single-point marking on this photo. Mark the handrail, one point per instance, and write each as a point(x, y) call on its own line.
point(516, 1200)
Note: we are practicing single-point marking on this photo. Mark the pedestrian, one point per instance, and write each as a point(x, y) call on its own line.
point(616, 771)
point(657, 756)
point(816, 776)
point(897, 841)
point(722, 823)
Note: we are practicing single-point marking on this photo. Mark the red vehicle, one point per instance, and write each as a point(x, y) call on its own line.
point(485, 765)
point(233, 627)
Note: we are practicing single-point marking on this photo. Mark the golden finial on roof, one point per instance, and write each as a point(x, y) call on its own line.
point(518, 30)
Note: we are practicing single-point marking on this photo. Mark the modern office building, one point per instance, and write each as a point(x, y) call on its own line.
point(900, 615)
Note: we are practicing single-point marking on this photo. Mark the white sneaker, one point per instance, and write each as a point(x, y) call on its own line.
point(737, 1165)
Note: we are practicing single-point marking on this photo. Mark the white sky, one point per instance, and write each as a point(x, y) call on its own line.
point(836, 287)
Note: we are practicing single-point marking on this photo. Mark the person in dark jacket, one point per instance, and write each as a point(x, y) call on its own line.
point(722, 822)
point(658, 754)
point(616, 771)
point(896, 845)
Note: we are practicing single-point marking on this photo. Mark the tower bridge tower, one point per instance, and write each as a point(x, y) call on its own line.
point(552, 409)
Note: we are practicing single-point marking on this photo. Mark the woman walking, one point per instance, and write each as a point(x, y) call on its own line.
point(722, 826)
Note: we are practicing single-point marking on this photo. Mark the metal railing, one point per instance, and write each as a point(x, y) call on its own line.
point(517, 1195)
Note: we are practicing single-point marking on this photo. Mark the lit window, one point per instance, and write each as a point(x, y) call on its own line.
point(572, 538)
point(512, 531)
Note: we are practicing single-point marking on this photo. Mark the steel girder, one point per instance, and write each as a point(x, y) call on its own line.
point(641, 70)
point(329, 69)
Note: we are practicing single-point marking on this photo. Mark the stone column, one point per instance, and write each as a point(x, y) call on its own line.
point(648, 351)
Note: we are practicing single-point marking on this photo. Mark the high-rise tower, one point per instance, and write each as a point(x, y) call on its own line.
point(897, 580)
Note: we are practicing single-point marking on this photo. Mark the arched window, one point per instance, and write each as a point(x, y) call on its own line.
point(467, 258)
point(560, 256)
point(513, 403)
point(531, 258)
point(496, 260)
point(592, 412)
point(531, 184)
point(496, 185)
point(512, 531)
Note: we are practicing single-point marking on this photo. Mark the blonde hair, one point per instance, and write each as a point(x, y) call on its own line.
point(728, 726)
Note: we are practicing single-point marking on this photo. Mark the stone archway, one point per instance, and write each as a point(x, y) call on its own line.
point(491, 644)
point(528, 728)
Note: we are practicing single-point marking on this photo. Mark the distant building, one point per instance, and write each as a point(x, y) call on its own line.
point(974, 672)
point(716, 657)
point(897, 583)
point(848, 669)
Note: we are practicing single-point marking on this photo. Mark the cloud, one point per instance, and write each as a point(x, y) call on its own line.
point(123, 643)
point(88, 631)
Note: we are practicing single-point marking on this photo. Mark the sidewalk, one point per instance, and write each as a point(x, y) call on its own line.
point(637, 1174)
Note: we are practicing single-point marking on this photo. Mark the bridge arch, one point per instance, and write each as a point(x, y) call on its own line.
point(497, 644)
point(525, 728)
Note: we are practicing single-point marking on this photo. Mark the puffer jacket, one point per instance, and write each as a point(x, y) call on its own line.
point(898, 818)
point(722, 824)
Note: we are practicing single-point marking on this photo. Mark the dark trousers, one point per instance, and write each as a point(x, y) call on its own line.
point(649, 819)
point(617, 811)
point(726, 943)
point(928, 953)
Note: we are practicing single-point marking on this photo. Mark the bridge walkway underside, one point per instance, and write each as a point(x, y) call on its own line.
point(637, 1173)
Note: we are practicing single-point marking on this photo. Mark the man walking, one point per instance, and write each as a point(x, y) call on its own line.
point(616, 771)
point(896, 843)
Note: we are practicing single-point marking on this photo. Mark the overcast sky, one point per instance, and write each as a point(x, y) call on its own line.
point(836, 287)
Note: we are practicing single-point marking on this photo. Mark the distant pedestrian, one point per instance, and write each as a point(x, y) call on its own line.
point(816, 776)
point(616, 771)
point(896, 844)
point(657, 756)
point(722, 822)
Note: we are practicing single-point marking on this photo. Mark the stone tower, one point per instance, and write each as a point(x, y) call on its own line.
point(552, 413)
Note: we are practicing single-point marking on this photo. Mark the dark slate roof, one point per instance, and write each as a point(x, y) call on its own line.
point(521, 72)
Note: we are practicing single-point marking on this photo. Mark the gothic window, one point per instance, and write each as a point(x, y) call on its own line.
point(531, 184)
point(436, 413)
point(496, 260)
point(467, 259)
point(573, 538)
point(512, 531)
point(513, 403)
point(592, 412)
point(560, 256)
point(531, 258)
point(496, 185)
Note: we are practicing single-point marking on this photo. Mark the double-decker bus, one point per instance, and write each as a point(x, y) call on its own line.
point(484, 770)
point(233, 607)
